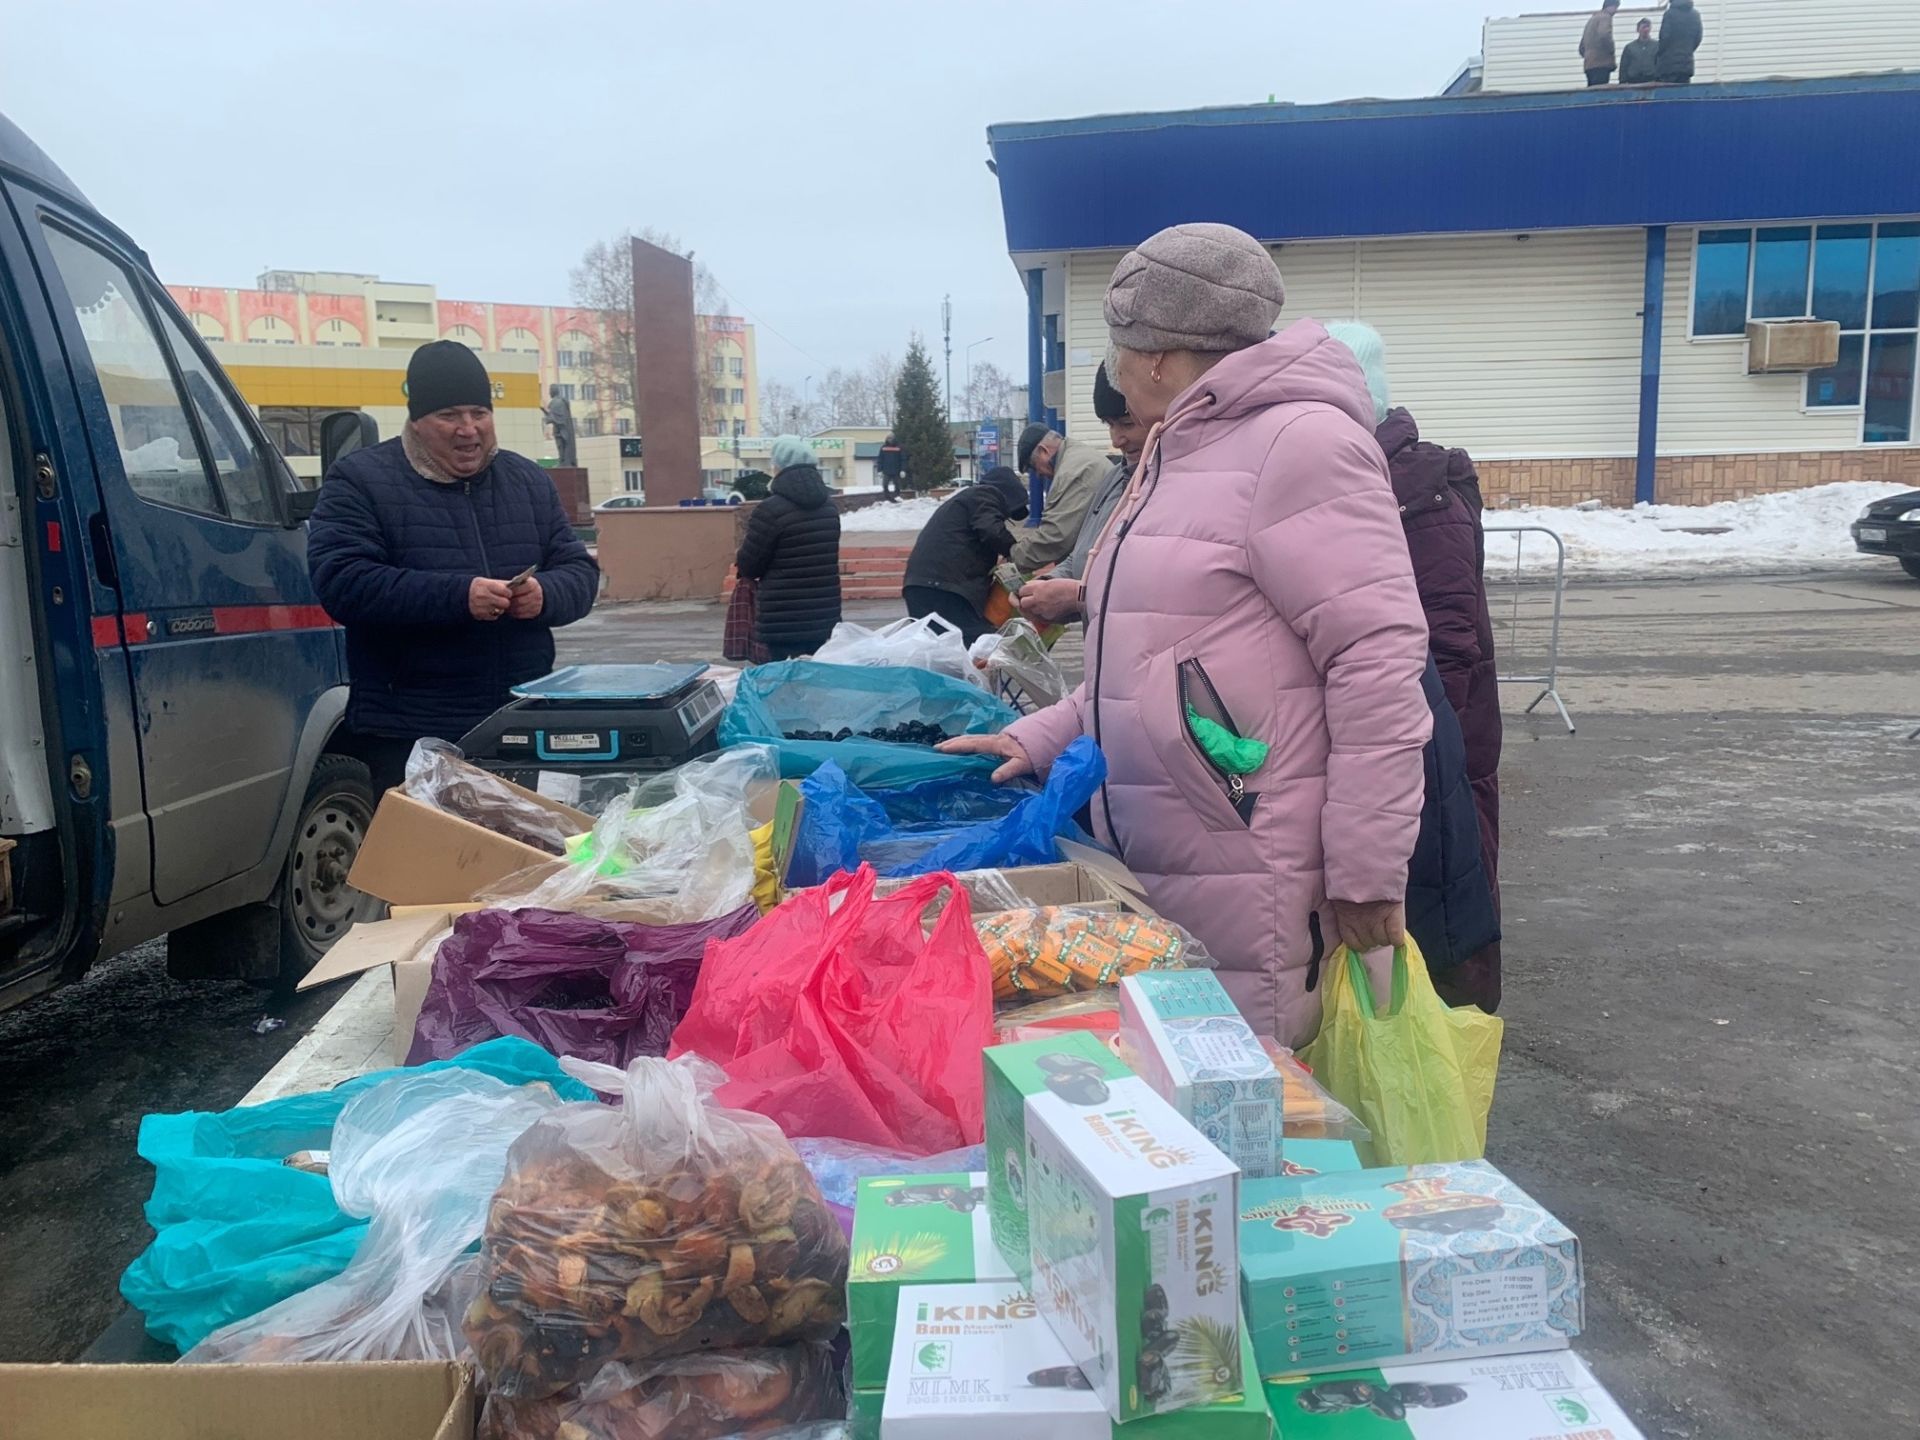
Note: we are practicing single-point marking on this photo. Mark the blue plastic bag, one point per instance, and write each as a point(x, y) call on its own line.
point(959, 823)
point(807, 695)
point(235, 1229)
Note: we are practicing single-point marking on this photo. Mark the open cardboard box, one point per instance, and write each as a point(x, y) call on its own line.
point(397, 1400)
point(408, 942)
point(414, 854)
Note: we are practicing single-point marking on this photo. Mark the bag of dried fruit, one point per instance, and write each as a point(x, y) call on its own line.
point(666, 1225)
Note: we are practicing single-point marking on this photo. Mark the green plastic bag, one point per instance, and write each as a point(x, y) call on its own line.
point(1418, 1074)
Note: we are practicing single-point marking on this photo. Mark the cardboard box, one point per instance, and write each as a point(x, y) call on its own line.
point(1132, 1228)
point(1420, 1263)
point(1551, 1396)
point(414, 854)
point(1083, 876)
point(1305, 1158)
point(1186, 1039)
point(1008, 1069)
point(972, 1361)
point(398, 1400)
point(912, 1230)
point(408, 942)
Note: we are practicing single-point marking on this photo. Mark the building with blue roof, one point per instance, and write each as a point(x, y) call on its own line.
point(1577, 285)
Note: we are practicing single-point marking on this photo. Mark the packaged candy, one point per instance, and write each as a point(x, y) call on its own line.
point(1049, 950)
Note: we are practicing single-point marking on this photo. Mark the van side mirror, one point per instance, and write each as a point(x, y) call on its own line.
point(300, 506)
point(343, 432)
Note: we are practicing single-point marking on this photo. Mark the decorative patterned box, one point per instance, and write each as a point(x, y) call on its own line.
point(1426, 1262)
point(1550, 1396)
point(911, 1230)
point(1184, 1036)
point(1306, 1158)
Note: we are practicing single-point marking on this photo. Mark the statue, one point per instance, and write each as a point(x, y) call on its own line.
point(558, 412)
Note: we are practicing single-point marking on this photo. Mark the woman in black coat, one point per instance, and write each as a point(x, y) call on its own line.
point(792, 551)
point(950, 571)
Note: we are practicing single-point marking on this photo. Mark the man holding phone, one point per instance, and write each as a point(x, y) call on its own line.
point(449, 561)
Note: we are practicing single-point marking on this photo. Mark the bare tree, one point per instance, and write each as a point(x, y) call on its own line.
point(863, 396)
point(784, 411)
point(988, 394)
point(603, 281)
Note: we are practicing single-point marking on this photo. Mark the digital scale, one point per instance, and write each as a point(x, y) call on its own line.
point(600, 719)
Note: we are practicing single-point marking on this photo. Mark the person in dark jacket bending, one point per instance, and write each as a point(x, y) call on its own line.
point(416, 546)
point(950, 571)
point(1680, 35)
point(792, 549)
point(1440, 506)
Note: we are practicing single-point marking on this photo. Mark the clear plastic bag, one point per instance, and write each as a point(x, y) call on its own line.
point(438, 775)
point(1016, 665)
point(690, 1397)
point(666, 1225)
point(677, 849)
point(420, 1155)
point(1309, 1111)
point(1041, 951)
point(929, 643)
point(838, 1166)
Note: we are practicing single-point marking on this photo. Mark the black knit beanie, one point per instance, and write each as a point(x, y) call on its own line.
point(1109, 404)
point(443, 374)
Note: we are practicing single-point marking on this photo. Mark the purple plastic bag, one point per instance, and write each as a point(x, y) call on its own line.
point(602, 990)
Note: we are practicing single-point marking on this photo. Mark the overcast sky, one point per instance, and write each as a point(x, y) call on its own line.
point(825, 159)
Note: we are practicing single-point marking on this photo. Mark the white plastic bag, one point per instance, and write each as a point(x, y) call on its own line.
point(677, 849)
point(928, 643)
point(1016, 665)
point(420, 1156)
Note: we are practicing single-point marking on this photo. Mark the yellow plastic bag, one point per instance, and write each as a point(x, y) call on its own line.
point(1419, 1075)
point(766, 884)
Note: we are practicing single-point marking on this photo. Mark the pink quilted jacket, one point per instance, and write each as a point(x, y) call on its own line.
point(1257, 570)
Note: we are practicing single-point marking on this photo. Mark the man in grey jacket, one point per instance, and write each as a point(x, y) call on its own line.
point(1075, 470)
point(1060, 595)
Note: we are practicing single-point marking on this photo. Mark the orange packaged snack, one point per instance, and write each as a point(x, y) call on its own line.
point(1052, 950)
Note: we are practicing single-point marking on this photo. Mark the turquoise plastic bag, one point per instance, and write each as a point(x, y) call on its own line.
point(958, 823)
point(808, 695)
point(235, 1229)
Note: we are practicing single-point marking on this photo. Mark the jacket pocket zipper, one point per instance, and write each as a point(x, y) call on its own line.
point(1215, 709)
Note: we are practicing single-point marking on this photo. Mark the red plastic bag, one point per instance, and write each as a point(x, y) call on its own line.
point(851, 1020)
point(602, 990)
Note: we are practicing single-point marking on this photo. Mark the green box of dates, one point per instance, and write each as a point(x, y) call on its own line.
point(912, 1230)
point(1013, 1072)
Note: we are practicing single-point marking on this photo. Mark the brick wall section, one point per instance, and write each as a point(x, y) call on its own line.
point(1690, 479)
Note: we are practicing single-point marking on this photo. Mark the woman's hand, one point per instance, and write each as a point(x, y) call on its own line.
point(1005, 746)
point(1365, 925)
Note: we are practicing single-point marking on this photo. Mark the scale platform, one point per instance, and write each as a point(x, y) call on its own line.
point(599, 719)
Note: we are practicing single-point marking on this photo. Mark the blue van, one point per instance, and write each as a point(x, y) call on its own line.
point(171, 704)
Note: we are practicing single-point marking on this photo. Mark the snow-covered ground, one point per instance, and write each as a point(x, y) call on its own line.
point(1764, 534)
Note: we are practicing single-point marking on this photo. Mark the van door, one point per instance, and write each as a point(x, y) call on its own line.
point(225, 644)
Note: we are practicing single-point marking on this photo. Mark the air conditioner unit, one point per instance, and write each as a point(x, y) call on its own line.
point(1783, 347)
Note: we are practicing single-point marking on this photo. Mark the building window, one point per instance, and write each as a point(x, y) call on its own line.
point(739, 427)
point(719, 364)
point(623, 393)
point(739, 396)
point(1865, 278)
point(590, 426)
point(589, 391)
point(623, 426)
point(566, 390)
point(566, 359)
point(736, 366)
point(631, 479)
point(717, 395)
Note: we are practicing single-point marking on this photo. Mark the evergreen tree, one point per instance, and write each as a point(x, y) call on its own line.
point(919, 423)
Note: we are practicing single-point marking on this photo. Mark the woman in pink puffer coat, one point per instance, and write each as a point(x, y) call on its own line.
point(1254, 576)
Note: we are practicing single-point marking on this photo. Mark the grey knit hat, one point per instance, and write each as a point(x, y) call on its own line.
point(1210, 288)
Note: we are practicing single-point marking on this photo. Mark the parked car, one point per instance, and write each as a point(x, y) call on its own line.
point(1891, 527)
point(629, 501)
point(168, 759)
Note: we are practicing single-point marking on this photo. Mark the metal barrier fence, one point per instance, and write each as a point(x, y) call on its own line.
point(1549, 678)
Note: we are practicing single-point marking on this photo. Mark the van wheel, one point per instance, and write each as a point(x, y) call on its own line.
point(316, 903)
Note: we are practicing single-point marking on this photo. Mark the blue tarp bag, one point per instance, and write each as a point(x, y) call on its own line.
point(789, 695)
point(961, 822)
point(236, 1230)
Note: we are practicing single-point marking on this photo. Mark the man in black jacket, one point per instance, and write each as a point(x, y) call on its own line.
point(449, 561)
point(792, 552)
point(950, 571)
point(1680, 35)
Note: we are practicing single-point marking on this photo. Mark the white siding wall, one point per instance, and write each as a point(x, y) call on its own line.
point(1709, 405)
point(1744, 40)
point(1510, 349)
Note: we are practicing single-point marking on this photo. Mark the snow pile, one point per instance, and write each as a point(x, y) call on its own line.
point(900, 515)
point(1763, 534)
